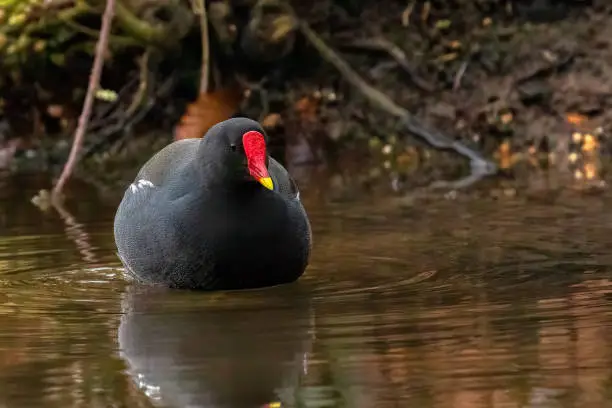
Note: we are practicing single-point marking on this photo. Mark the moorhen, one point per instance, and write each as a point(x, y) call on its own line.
point(214, 213)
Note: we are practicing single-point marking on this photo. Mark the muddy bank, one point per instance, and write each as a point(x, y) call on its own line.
point(525, 82)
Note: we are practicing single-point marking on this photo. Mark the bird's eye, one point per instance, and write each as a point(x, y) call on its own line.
point(233, 147)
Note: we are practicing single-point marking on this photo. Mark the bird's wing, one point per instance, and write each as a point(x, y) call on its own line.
point(169, 158)
point(283, 182)
point(156, 171)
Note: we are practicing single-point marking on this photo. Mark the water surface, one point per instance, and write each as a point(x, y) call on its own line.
point(471, 302)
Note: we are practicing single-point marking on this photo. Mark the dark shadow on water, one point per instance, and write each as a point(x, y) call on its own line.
point(195, 350)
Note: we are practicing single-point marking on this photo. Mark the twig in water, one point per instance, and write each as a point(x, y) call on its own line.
point(94, 80)
point(76, 232)
point(480, 166)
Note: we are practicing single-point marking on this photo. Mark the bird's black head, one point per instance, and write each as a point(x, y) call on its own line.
point(238, 146)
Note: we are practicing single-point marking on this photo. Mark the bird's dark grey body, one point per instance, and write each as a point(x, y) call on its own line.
point(177, 227)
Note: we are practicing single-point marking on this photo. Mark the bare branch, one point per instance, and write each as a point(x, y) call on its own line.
point(94, 81)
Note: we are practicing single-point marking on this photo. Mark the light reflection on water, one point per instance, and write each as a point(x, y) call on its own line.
point(464, 303)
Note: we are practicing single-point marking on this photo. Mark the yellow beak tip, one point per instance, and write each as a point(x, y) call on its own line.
point(267, 183)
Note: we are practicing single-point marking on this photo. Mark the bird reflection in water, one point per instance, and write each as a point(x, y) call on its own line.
point(186, 349)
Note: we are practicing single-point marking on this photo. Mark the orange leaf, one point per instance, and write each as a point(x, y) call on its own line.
point(208, 110)
point(575, 118)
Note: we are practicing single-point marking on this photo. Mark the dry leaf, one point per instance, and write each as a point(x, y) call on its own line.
point(208, 110)
point(575, 118)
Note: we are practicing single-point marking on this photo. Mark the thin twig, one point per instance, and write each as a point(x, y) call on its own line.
point(459, 75)
point(406, 14)
point(105, 113)
point(94, 80)
point(205, 46)
point(115, 39)
point(107, 134)
point(143, 84)
point(480, 166)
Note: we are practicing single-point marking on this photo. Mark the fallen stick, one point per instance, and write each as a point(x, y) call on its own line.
point(94, 81)
point(480, 167)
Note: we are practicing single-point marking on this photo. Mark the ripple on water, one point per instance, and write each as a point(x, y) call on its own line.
point(62, 291)
point(456, 304)
point(40, 271)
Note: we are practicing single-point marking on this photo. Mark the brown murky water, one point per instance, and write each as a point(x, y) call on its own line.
point(464, 303)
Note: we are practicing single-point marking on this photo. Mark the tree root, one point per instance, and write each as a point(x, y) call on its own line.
point(480, 167)
point(395, 52)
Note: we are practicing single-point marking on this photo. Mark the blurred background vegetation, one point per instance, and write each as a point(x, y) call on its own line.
point(524, 81)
